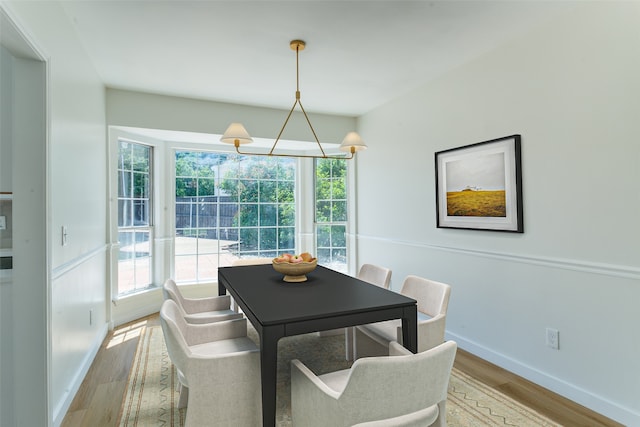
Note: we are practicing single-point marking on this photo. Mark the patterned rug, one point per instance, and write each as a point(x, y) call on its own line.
point(152, 397)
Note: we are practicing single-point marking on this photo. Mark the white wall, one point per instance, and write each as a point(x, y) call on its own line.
point(5, 119)
point(6, 310)
point(571, 89)
point(75, 167)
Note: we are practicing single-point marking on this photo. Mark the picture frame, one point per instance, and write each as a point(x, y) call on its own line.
point(479, 186)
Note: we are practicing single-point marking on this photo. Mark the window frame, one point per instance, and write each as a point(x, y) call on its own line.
point(134, 228)
point(164, 208)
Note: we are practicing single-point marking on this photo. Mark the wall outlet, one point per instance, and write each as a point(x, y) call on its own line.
point(553, 338)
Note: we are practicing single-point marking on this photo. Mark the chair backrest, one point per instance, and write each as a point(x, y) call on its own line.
point(171, 291)
point(251, 261)
point(432, 296)
point(174, 330)
point(405, 384)
point(375, 274)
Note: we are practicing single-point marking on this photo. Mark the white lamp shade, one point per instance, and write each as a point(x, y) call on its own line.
point(236, 132)
point(352, 140)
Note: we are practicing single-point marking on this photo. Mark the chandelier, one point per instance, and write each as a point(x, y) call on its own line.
point(237, 135)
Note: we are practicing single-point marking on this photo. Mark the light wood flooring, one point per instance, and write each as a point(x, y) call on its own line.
point(97, 403)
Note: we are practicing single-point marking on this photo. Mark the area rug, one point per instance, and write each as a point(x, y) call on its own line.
point(152, 395)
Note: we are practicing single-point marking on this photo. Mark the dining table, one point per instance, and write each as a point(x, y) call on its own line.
point(327, 300)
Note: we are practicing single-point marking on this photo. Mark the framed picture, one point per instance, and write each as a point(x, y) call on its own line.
point(479, 186)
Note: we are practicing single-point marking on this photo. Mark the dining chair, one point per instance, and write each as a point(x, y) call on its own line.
point(251, 261)
point(433, 301)
point(200, 310)
point(399, 390)
point(376, 275)
point(218, 368)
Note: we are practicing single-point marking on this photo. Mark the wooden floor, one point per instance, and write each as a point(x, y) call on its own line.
point(97, 403)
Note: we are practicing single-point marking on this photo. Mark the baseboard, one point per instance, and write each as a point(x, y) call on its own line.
point(583, 397)
point(60, 410)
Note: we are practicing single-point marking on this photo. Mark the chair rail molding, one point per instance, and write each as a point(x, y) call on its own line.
point(605, 269)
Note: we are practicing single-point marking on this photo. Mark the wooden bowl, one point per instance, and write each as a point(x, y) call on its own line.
point(295, 272)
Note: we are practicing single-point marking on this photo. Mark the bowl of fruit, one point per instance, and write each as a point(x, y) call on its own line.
point(295, 267)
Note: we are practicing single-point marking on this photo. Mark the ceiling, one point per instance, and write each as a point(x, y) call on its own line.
point(359, 54)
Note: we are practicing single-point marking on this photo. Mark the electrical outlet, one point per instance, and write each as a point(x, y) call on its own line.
point(553, 338)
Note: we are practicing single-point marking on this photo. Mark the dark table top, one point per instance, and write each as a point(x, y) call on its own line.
point(325, 293)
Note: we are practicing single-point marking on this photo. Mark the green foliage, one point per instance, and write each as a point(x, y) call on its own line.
point(331, 192)
point(195, 173)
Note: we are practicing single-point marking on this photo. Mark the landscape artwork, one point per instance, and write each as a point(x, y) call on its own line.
point(478, 186)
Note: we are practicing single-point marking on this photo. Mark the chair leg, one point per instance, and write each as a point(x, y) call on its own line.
point(184, 396)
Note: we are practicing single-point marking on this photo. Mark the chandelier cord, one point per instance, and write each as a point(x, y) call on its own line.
point(297, 101)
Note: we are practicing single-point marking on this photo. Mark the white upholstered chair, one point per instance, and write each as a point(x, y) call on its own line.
point(376, 275)
point(218, 367)
point(433, 300)
point(400, 390)
point(200, 310)
point(251, 261)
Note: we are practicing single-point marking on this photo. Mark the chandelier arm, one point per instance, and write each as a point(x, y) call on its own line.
point(273, 147)
point(247, 153)
point(312, 130)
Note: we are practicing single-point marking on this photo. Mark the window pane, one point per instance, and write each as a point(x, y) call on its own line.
point(186, 187)
point(134, 261)
point(125, 215)
point(239, 209)
point(134, 210)
point(208, 266)
point(248, 239)
point(268, 215)
point(268, 191)
point(287, 214)
point(286, 239)
point(286, 192)
point(268, 238)
point(338, 190)
point(323, 211)
point(185, 163)
point(248, 190)
point(207, 215)
point(124, 183)
point(141, 160)
point(140, 212)
point(206, 187)
point(338, 236)
point(186, 268)
point(339, 211)
point(331, 212)
point(323, 236)
point(140, 184)
point(248, 215)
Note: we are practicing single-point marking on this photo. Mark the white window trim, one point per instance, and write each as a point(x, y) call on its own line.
point(164, 207)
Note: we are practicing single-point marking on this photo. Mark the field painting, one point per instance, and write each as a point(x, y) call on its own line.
point(479, 186)
point(476, 186)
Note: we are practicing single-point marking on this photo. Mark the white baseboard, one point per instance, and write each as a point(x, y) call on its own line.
point(583, 397)
point(64, 404)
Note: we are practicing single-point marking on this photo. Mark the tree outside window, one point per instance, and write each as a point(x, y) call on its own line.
point(331, 212)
